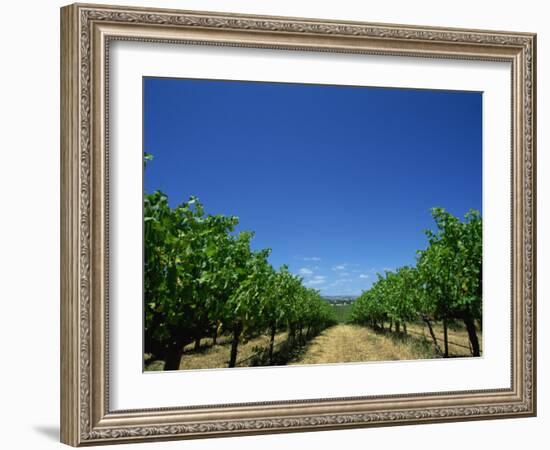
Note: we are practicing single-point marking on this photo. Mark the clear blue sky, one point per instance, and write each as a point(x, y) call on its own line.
point(337, 181)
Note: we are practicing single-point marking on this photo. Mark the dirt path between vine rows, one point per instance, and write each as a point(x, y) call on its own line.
point(342, 343)
point(352, 343)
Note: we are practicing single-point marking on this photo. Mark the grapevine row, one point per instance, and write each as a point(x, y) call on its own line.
point(201, 279)
point(445, 285)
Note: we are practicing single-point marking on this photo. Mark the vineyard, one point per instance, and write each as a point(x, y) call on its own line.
point(213, 301)
point(445, 285)
point(203, 280)
point(342, 312)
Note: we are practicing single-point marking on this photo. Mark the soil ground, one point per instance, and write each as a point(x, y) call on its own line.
point(341, 343)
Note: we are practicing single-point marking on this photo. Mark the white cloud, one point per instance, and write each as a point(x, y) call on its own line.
point(339, 267)
point(380, 270)
point(343, 274)
point(305, 271)
point(317, 279)
point(341, 281)
point(364, 276)
point(311, 258)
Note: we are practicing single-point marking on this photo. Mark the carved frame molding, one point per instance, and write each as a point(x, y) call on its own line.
point(86, 32)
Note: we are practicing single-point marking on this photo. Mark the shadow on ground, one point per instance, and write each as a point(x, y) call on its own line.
point(50, 432)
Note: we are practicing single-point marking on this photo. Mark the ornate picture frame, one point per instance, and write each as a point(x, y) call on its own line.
point(87, 31)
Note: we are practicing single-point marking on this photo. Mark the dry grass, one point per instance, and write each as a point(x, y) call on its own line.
point(208, 342)
point(354, 343)
point(459, 344)
point(217, 357)
point(341, 343)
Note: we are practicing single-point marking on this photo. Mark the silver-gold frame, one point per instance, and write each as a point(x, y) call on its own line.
point(86, 34)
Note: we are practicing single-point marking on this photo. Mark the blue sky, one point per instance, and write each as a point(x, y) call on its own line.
point(338, 181)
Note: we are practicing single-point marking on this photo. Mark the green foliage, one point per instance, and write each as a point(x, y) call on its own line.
point(147, 157)
point(200, 277)
point(450, 269)
point(446, 283)
point(342, 312)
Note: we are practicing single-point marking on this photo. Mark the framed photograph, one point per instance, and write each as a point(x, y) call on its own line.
point(275, 224)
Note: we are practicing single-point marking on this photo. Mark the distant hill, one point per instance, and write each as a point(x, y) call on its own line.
point(340, 298)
